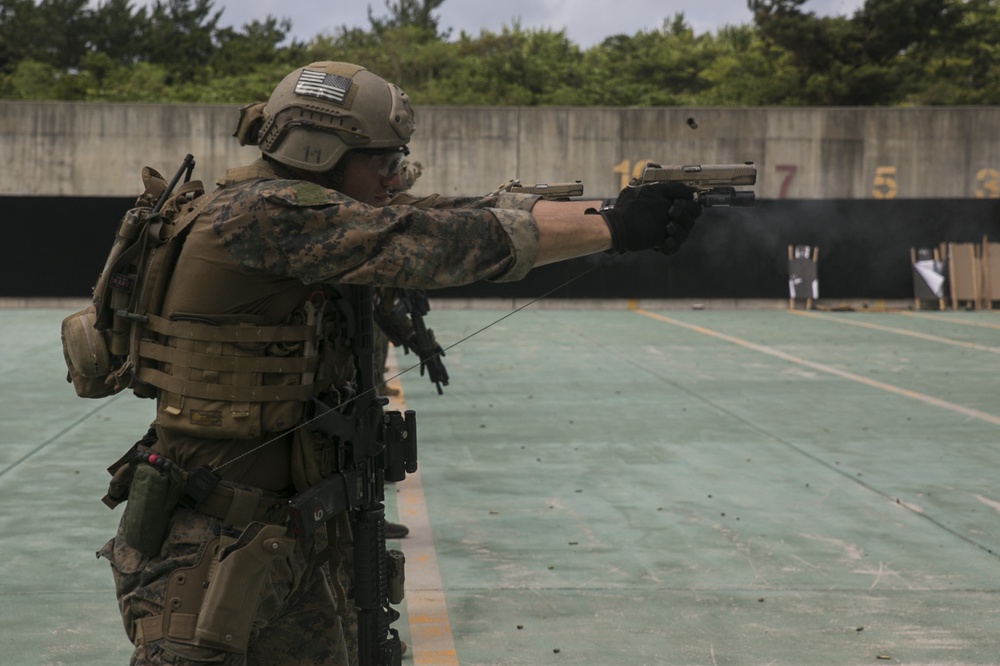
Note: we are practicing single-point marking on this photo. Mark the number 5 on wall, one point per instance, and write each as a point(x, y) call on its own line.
point(884, 183)
point(989, 184)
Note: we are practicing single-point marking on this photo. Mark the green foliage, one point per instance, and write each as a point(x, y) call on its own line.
point(961, 61)
point(181, 36)
point(651, 68)
point(748, 72)
point(889, 52)
point(174, 52)
point(512, 67)
point(32, 80)
point(416, 14)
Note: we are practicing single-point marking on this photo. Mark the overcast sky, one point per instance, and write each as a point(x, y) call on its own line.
point(586, 22)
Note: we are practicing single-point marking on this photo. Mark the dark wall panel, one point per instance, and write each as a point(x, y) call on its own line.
point(743, 252)
point(57, 245)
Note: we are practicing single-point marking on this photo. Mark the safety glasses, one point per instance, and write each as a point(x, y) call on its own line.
point(386, 163)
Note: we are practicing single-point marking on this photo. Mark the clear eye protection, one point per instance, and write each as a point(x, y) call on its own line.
point(386, 163)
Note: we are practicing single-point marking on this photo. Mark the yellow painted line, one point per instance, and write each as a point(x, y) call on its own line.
point(898, 331)
point(843, 374)
point(432, 643)
point(951, 320)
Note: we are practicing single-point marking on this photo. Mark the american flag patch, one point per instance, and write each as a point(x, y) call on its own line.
point(323, 85)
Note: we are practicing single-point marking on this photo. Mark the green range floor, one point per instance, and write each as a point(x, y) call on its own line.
point(607, 487)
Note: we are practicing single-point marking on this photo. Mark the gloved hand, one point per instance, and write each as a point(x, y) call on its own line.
point(658, 216)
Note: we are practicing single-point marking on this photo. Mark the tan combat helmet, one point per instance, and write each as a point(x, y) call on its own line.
point(320, 111)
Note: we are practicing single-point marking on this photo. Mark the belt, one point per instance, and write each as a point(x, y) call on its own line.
point(238, 505)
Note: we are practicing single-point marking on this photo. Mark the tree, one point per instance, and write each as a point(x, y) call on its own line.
point(657, 67)
point(960, 63)
point(748, 72)
point(180, 37)
point(887, 52)
point(514, 66)
point(51, 32)
point(257, 44)
point(117, 31)
point(409, 13)
point(862, 60)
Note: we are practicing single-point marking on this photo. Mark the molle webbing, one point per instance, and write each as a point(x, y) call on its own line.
point(238, 334)
point(228, 362)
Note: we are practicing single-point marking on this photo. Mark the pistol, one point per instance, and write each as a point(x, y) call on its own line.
point(547, 190)
point(714, 184)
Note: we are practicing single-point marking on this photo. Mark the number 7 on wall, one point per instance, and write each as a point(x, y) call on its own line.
point(789, 170)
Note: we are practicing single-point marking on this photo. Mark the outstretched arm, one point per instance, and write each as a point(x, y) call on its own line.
point(564, 231)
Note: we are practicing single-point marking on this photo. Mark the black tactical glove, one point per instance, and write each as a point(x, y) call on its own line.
point(658, 216)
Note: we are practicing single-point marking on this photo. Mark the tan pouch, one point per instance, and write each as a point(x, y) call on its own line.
point(229, 608)
point(85, 350)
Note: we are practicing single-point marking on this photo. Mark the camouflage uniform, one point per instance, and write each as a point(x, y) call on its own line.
point(385, 297)
point(256, 252)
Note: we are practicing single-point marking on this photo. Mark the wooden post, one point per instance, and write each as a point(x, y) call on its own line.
point(937, 259)
point(791, 296)
point(815, 258)
point(987, 296)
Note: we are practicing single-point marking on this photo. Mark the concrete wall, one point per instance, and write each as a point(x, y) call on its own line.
point(76, 149)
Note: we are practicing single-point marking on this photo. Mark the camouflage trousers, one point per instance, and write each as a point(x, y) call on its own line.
point(295, 620)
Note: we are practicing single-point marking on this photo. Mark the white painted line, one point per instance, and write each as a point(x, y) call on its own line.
point(771, 351)
point(899, 331)
point(951, 320)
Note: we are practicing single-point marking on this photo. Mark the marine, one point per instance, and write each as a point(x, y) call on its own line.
point(254, 327)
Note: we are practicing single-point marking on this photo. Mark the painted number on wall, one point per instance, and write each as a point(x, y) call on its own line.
point(789, 170)
point(884, 183)
point(628, 172)
point(988, 184)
